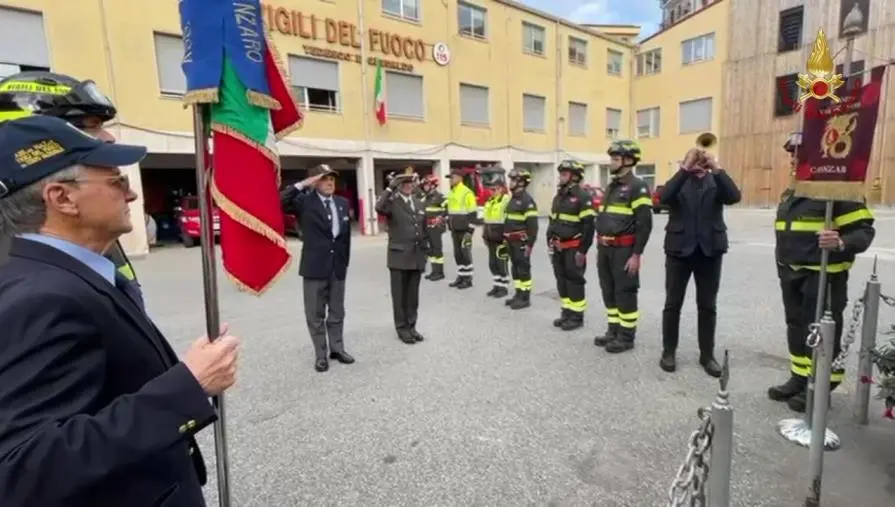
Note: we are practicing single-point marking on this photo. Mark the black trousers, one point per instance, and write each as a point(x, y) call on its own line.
point(405, 286)
point(706, 273)
point(462, 242)
point(520, 265)
point(435, 239)
point(619, 290)
point(497, 263)
point(799, 291)
point(570, 281)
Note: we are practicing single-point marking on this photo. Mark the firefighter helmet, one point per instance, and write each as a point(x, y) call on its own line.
point(793, 142)
point(430, 179)
point(520, 175)
point(573, 167)
point(493, 176)
point(46, 93)
point(625, 148)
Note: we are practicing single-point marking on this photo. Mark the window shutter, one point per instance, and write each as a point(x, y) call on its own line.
point(168, 57)
point(404, 95)
point(696, 116)
point(474, 104)
point(313, 73)
point(533, 112)
point(22, 39)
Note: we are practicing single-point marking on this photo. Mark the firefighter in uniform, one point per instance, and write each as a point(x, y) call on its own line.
point(494, 216)
point(461, 209)
point(570, 235)
point(79, 103)
point(800, 238)
point(623, 229)
point(436, 214)
point(520, 232)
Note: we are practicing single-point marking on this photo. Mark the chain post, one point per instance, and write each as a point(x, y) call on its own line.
point(722, 442)
point(872, 294)
point(823, 369)
point(688, 485)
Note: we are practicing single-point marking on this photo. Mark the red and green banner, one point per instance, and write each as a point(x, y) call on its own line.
point(379, 96)
point(231, 65)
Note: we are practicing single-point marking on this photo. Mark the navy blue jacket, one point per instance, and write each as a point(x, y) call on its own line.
point(95, 408)
point(322, 255)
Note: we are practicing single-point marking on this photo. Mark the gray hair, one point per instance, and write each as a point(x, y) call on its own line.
point(25, 211)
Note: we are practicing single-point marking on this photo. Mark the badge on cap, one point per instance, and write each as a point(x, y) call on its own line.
point(38, 152)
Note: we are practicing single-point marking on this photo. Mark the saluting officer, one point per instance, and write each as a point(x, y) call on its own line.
point(520, 232)
point(570, 235)
point(436, 214)
point(494, 216)
point(800, 239)
point(623, 228)
point(462, 209)
point(406, 256)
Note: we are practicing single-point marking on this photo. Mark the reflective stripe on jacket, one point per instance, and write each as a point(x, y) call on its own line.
point(461, 208)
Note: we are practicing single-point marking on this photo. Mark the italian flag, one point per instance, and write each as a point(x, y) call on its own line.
point(379, 96)
point(245, 175)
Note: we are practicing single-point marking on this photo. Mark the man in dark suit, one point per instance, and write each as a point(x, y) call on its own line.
point(326, 248)
point(95, 408)
point(695, 241)
point(406, 256)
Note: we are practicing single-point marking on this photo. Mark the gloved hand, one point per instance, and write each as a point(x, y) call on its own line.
point(580, 259)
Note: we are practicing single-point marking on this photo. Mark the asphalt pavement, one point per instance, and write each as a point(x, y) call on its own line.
point(497, 407)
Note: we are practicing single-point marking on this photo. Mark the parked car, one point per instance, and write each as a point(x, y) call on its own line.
point(596, 194)
point(658, 207)
point(188, 217)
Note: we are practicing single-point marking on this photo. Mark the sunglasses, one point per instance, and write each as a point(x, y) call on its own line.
point(121, 181)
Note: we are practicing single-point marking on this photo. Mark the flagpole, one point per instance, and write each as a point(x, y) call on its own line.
point(210, 284)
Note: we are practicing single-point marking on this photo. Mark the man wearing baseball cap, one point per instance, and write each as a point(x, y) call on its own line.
point(97, 410)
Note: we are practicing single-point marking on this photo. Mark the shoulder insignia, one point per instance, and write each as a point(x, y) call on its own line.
point(643, 190)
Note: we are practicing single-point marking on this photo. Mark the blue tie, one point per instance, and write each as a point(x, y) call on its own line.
point(332, 215)
point(130, 289)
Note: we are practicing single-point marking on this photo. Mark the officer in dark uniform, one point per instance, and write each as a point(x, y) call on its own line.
point(436, 216)
point(801, 237)
point(570, 235)
point(406, 256)
point(77, 102)
point(494, 216)
point(520, 232)
point(623, 228)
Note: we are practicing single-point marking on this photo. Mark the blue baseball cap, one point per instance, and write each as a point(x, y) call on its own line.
point(35, 147)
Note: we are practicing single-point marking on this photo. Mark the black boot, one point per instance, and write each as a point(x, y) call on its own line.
point(574, 321)
point(623, 342)
point(465, 282)
point(668, 362)
point(437, 273)
point(491, 293)
point(563, 316)
point(501, 292)
point(608, 336)
point(516, 296)
point(457, 281)
point(788, 389)
point(798, 403)
point(522, 300)
point(711, 367)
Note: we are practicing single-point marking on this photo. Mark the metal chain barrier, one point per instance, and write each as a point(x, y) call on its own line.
point(854, 324)
point(689, 485)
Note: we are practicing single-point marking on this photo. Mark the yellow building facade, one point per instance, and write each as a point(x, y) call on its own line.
point(473, 81)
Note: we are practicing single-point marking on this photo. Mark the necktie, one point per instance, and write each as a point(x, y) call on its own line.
point(130, 289)
point(410, 203)
point(332, 215)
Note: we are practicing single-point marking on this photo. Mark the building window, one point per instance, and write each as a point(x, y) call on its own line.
point(613, 123)
point(698, 49)
point(649, 62)
point(404, 9)
point(646, 172)
point(23, 43)
point(786, 95)
point(648, 122)
point(696, 116)
point(614, 61)
point(532, 39)
point(791, 21)
point(577, 51)
point(316, 83)
point(856, 71)
point(168, 58)
point(533, 107)
point(474, 108)
point(577, 119)
point(471, 20)
point(404, 95)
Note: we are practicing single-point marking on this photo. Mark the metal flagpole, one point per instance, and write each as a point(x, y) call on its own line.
point(210, 283)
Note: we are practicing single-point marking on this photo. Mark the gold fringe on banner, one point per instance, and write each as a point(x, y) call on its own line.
point(203, 96)
point(830, 190)
point(226, 129)
point(281, 69)
point(263, 100)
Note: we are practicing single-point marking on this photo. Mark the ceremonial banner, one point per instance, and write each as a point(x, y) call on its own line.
point(837, 143)
point(230, 64)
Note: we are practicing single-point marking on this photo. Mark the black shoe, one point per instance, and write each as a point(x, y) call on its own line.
point(605, 338)
point(797, 402)
point(788, 389)
point(434, 277)
point(711, 367)
point(416, 336)
point(321, 365)
point(342, 357)
point(668, 362)
point(509, 302)
point(520, 301)
point(456, 282)
point(429, 275)
point(563, 317)
point(619, 345)
point(493, 292)
point(406, 337)
point(465, 283)
point(501, 292)
point(572, 323)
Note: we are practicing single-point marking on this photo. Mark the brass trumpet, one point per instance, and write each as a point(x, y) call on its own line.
point(706, 140)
